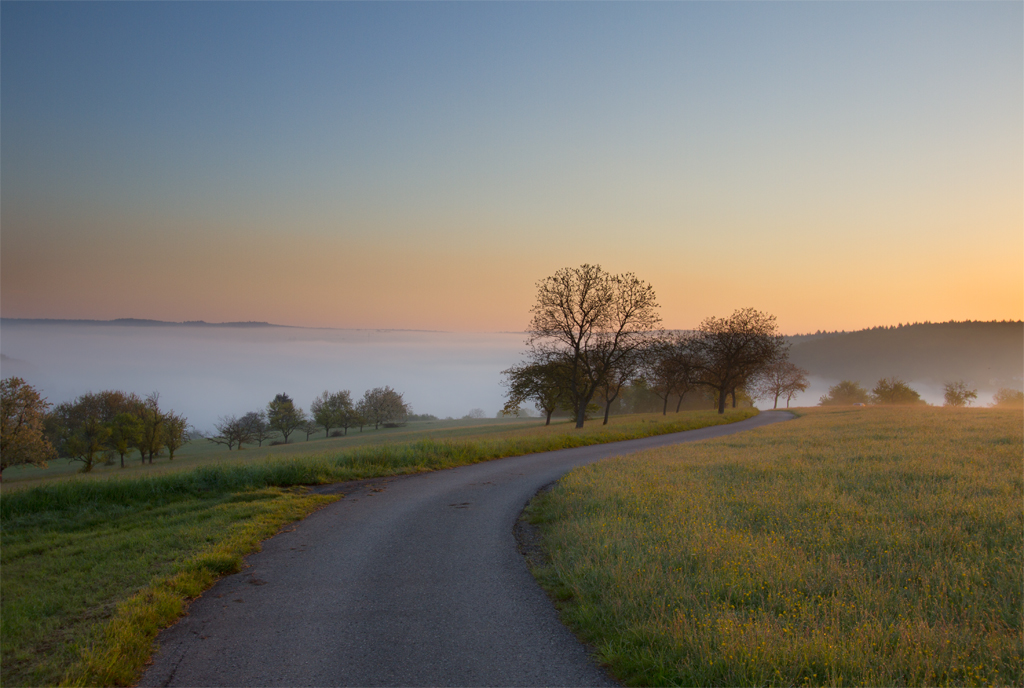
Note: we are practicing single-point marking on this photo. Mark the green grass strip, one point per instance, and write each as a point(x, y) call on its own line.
point(848, 547)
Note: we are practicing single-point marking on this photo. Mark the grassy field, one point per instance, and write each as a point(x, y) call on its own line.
point(848, 547)
point(93, 566)
point(201, 452)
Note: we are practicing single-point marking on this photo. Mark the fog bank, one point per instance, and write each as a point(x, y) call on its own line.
point(206, 372)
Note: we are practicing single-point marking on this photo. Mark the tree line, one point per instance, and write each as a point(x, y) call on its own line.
point(330, 411)
point(97, 425)
point(594, 334)
point(113, 424)
point(894, 391)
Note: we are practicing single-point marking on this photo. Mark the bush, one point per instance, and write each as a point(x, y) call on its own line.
point(846, 393)
point(1008, 398)
point(893, 391)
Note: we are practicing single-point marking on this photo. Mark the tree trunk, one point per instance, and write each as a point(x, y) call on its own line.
point(548, 421)
point(607, 408)
point(734, 398)
point(722, 394)
point(664, 406)
point(776, 402)
point(679, 404)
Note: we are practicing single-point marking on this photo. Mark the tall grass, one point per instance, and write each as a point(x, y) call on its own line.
point(867, 547)
point(92, 569)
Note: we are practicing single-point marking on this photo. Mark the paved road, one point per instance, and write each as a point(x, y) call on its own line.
point(410, 581)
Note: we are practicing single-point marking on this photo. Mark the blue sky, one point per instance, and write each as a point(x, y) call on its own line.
point(424, 164)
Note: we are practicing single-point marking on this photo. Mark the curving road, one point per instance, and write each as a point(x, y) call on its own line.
point(408, 581)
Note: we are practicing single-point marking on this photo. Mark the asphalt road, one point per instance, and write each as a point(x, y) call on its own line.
point(408, 581)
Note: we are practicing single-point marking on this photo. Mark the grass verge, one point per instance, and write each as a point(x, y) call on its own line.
point(848, 547)
point(93, 569)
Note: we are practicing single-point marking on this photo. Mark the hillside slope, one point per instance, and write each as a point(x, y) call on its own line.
point(988, 355)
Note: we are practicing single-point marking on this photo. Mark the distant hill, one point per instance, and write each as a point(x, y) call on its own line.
point(987, 355)
point(130, 322)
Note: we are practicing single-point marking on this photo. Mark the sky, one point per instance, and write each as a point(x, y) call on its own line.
point(422, 165)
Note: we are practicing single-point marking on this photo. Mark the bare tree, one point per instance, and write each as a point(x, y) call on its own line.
point(594, 321)
point(732, 351)
point(232, 431)
point(668, 367)
point(780, 379)
point(259, 428)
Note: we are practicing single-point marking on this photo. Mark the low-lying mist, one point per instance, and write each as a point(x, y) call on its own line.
point(206, 372)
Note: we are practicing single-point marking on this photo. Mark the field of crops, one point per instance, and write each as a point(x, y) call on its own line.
point(865, 546)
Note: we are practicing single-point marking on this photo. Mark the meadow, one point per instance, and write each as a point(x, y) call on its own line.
point(870, 546)
point(95, 565)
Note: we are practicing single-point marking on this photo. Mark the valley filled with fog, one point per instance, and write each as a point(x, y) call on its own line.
point(206, 371)
point(209, 371)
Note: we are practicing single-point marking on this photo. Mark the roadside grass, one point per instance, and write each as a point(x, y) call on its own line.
point(202, 452)
point(93, 568)
point(847, 547)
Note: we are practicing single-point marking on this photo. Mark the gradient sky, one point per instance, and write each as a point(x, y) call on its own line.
point(422, 165)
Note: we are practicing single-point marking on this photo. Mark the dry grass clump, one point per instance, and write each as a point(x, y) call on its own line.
point(848, 547)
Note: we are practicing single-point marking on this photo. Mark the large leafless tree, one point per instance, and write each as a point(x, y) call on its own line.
point(593, 320)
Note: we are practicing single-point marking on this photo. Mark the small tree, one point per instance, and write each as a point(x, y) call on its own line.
point(175, 432)
point(780, 379)
point(846, 393)
point(541, 381)
point(333, 410)
point(125, 433)
point(958, 394)
point(152, 438)
point(732, 351)
point(892, 391)
point(383, 405)
point(22, 435)
point(232, 431)
point(89, 436)
point(669, 368)
point(310, 427)
point(284, 416)
point(259, 429)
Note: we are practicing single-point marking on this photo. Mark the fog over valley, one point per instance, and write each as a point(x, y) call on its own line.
point(211, 371)
point(206, 371)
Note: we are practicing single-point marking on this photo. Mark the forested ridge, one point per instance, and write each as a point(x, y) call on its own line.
point(986, 354)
